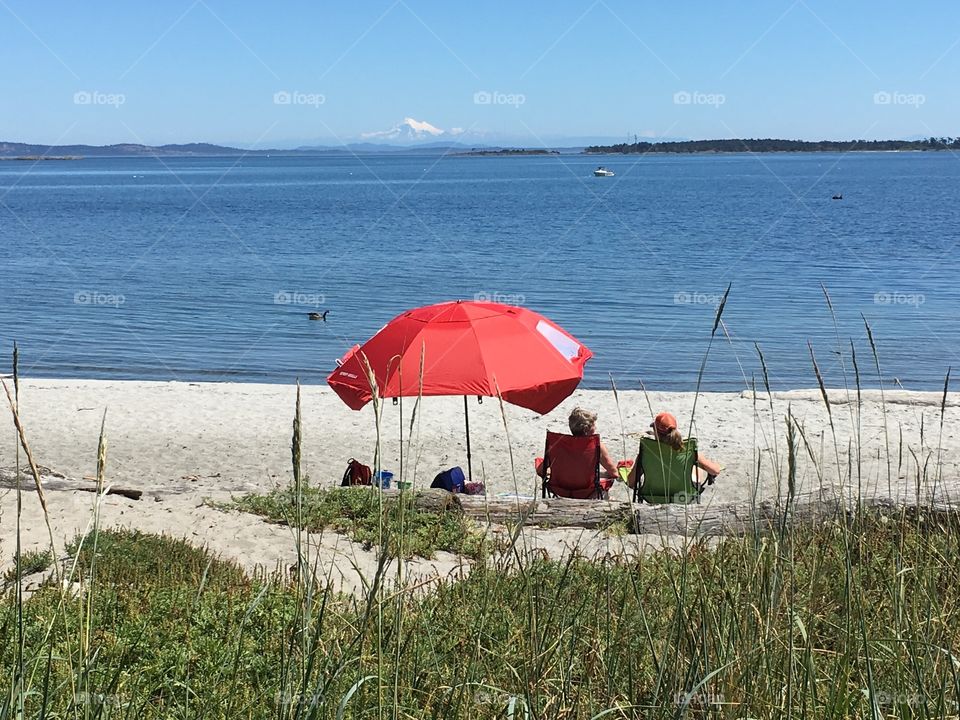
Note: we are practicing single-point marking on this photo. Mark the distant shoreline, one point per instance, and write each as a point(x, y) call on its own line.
point(38, 158)
point(35, 152)
point(768, 145)
point(466, 154)
point(507, 152)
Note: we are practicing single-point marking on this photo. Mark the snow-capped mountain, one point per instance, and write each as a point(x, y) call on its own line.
point(409, 130)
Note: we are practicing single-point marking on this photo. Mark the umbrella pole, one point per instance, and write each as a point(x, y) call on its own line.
point(401, 442)
point(466, 418)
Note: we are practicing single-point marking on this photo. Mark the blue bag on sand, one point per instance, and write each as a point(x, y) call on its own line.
point(451, 480)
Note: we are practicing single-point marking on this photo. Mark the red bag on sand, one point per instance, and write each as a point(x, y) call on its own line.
point(356, 474)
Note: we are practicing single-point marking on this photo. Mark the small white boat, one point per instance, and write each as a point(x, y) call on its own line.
point(602, 172)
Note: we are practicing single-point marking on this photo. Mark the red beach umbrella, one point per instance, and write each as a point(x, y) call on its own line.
point(467, 348)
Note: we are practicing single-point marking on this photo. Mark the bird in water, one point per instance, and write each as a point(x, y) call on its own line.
point(838, 196)
point(318, 316)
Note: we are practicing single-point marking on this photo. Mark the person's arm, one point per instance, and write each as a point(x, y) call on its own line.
point(709, 466)
point(606, 462)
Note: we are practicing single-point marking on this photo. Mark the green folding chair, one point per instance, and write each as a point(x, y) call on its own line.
point(667, 473)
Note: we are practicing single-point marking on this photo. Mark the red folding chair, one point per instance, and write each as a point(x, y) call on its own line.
point(571, 466)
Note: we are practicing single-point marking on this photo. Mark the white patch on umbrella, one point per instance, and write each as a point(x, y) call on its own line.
point(565, 345)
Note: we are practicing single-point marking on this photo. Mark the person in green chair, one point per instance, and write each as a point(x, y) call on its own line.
point(669, 468)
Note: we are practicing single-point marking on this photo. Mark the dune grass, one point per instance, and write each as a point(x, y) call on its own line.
point(835, 620)
point(407, 531)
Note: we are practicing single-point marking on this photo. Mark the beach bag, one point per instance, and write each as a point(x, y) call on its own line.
point(356, 474)
point(451, 480)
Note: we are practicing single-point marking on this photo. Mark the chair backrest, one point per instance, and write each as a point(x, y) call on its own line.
point(574, 464)
point(667, 473)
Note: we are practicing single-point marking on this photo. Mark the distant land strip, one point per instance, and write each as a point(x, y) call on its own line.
point(38, 158)
point(26, 151)
point(771, 145)
point(509, 151)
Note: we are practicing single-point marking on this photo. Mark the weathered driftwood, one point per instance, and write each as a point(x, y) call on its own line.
point(553, 512)
point(131, 493)
point(56, 481)
point(703, 520)
point(706, 519)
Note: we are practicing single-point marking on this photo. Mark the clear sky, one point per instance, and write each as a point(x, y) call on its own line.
point(280, 73)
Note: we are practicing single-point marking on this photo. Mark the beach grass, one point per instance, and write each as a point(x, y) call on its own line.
point(833, 620)
point(407, 531)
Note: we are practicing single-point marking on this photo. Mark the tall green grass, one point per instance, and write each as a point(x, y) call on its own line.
point(827, 621)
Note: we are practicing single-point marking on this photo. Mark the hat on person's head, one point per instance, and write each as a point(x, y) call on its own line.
point(664, 423)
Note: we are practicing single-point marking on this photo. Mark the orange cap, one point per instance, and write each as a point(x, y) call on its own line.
point(664, 423)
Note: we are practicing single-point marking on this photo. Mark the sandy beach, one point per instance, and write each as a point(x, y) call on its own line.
point(185, 443)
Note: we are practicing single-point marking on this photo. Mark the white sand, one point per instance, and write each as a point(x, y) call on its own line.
point(182, 443)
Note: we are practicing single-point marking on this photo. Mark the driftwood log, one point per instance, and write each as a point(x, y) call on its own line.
point(131, 493)
point(702, 520)
point(706, 519)
point(56, 481)
point(553, 512)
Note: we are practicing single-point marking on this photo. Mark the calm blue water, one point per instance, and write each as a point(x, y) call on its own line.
point(180, 269)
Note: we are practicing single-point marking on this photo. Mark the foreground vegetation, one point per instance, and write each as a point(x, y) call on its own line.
point(829, 621)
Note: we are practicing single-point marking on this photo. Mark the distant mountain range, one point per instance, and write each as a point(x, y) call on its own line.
point(407, 136)
point(15, 149)
point(12, 150)
point(27, 150)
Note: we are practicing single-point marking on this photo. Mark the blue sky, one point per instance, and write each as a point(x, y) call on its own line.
point(213, 70)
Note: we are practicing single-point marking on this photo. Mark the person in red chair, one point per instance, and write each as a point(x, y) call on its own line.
point(571, 463)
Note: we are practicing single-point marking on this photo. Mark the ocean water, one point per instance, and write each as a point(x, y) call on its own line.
point(205, 269)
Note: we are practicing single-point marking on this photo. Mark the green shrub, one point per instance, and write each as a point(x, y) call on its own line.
point(30, 562)
point(393, 522)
